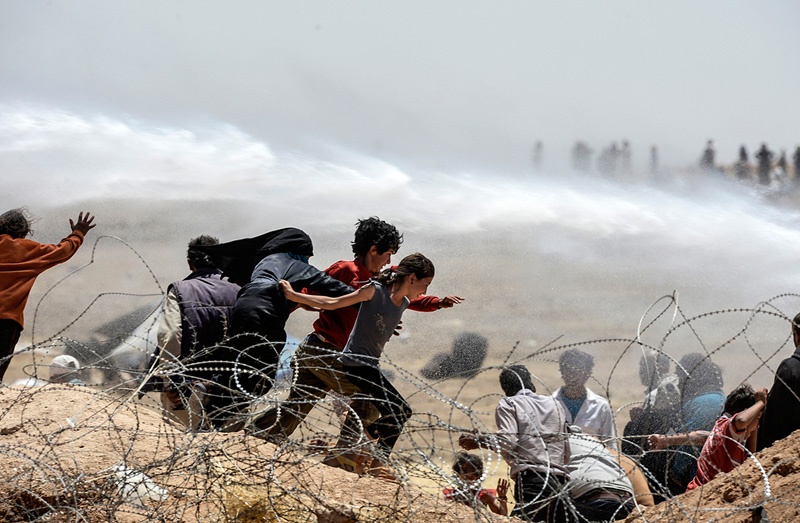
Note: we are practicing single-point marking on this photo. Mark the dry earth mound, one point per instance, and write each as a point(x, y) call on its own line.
point(765, 488)
point(74, 454)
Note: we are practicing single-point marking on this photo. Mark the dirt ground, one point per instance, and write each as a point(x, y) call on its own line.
point(64, 448)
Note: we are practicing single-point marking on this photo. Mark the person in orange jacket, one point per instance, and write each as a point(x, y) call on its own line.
point(21, 261)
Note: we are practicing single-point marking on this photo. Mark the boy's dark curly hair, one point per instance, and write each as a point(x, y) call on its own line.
point(741, 398)
point(514, 378)
point(374, 231)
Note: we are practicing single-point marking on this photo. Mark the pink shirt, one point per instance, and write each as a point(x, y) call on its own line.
point(723, 451)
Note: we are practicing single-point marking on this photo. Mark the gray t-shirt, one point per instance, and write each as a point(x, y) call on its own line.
point(592, 467)
point(375, 324)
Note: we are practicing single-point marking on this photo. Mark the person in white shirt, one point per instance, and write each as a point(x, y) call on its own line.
point(589, 411)
point(532, 437)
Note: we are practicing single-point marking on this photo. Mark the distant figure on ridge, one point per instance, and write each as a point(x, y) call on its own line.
point(625, 156)
point(654, 169)
point(796, 163)
point(608, 161)
point(581, 157)
point(782, 164)
point(21, 261)
point(707, 161)
point(742, 166)
point(537, 155)
point(764, 157)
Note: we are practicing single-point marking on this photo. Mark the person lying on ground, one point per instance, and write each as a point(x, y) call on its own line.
point(598, 484)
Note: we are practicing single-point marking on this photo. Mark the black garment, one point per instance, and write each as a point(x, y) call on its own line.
point(635, 445)
point(541, 497)
point(206, 301)
point(261, 302)
point(394, 409)
point(10, 331)
point(238, 258)
point(782, 415)
point(608, 508)
point(246, 367)
point(764, 157)
point(248, 361)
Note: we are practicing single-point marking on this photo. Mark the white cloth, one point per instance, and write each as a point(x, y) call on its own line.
point(533, 433)
point(591, 467)
point(594, 417)
point(169, 327)
point(666, 394)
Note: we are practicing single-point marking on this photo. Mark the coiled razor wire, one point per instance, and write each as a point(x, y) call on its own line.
point(105, 449)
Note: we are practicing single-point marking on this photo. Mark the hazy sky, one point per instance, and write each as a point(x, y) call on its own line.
point(443, 84)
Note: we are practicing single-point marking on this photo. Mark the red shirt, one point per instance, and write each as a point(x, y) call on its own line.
point(21, 261)
point(335, 326)
point(723, 451)
point(453, 495)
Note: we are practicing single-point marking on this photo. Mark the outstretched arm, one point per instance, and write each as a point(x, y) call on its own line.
point(433, 303)
point(327, 303)
point(662, 441)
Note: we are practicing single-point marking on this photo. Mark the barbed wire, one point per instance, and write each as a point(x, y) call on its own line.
point(110, 447)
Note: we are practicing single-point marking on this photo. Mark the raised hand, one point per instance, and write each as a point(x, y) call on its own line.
point(502, 489)
point(84, 223)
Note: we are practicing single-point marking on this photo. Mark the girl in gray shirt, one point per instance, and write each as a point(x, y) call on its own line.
point(383, 301)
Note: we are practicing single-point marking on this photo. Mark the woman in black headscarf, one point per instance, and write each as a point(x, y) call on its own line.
point(249, 358)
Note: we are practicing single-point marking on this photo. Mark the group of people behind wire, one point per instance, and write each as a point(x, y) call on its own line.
point(221, 335)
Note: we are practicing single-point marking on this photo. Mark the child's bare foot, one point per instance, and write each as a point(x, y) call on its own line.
point(380, 470)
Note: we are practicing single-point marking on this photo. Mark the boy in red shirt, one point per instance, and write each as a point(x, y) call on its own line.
point(317, 369)
point(21, 261)
point(724, 449)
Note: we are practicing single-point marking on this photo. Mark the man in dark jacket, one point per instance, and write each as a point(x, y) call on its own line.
point(196, 315)
point(782, 414)
point(249, 360)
